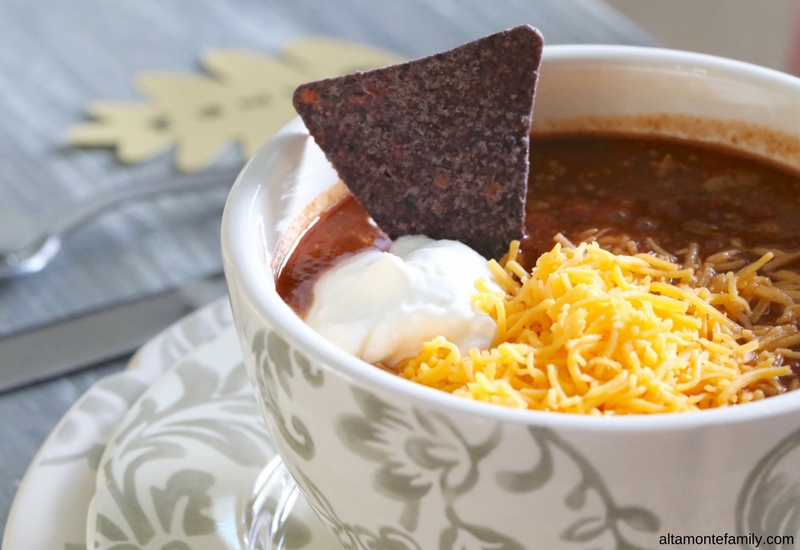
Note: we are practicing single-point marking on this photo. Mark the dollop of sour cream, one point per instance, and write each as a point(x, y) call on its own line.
point(382, 306)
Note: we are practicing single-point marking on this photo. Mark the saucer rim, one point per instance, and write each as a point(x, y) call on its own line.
point(136, 368)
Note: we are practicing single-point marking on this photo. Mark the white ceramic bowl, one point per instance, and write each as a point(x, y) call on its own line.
point(392, 465)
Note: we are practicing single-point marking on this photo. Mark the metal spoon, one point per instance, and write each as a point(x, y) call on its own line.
point(27, 244)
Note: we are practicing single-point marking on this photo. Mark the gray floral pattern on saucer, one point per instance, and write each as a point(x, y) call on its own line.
point(60, 482)
point(192, 445)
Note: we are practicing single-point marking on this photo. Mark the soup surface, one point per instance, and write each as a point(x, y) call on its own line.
point(340, 232)
point(667, 193)
point(664, 195)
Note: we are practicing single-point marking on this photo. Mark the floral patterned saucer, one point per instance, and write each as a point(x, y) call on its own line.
point(183, 453)
point(182, 468)
point(49, 509)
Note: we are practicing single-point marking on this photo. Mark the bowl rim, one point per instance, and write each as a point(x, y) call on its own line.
point(244, 266)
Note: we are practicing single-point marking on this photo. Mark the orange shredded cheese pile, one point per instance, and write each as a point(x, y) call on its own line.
point(592, 332)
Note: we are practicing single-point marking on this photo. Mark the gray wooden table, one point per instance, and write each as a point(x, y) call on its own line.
point(56, 57)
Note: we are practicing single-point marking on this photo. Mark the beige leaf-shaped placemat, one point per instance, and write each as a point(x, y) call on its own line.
point(245, 98)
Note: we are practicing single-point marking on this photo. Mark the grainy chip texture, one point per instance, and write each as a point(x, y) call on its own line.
point(437, 146)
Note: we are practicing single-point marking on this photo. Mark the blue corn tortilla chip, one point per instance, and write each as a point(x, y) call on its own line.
point(438, 146)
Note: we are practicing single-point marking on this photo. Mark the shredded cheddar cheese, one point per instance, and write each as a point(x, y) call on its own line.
point(588, 331)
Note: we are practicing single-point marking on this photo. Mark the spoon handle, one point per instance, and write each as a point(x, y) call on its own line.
point(89, 210)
